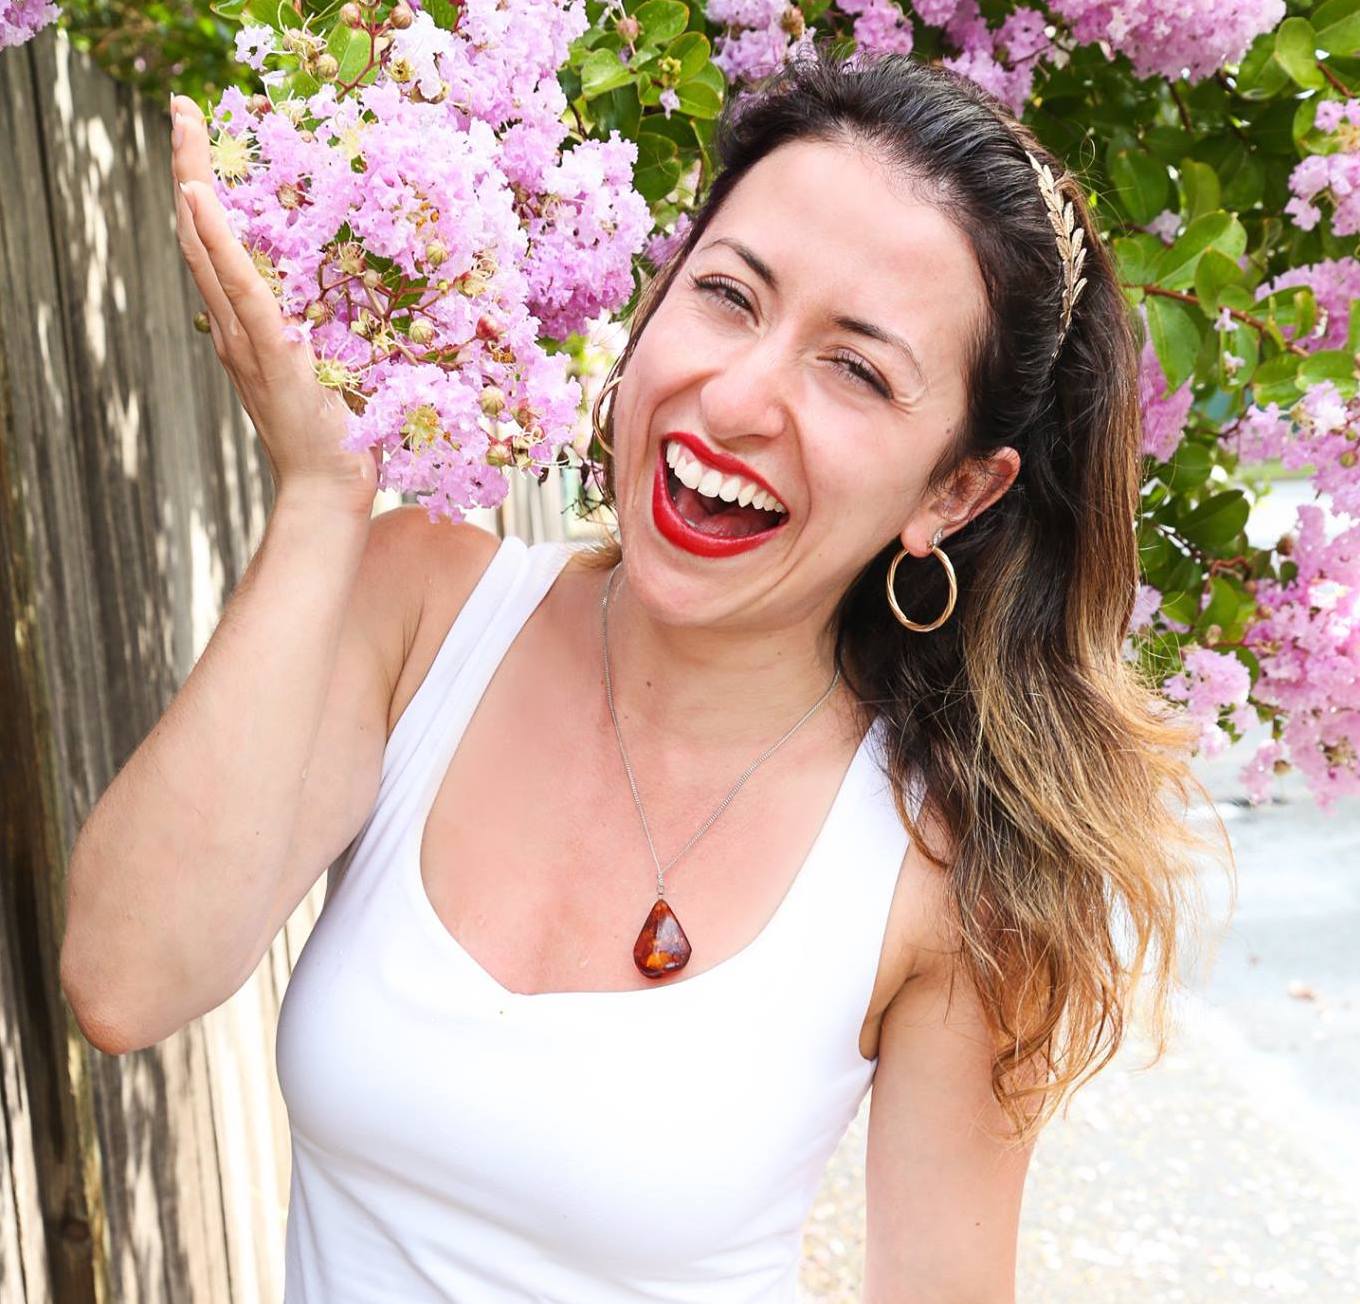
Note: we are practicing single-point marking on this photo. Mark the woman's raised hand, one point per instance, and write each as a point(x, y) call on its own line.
point(299, 420)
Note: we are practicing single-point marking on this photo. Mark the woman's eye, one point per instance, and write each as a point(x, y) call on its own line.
point(734, 301)
point(723, 290)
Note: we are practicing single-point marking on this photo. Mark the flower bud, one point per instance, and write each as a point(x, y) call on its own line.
point(421, 331)
point(524, 415)
point(492, 400)
point(351, 257)
point(628, 28)
point(1213, 635)
point(1347, 459)
point(402, 16)
point(260, 105)
point(328, 67)
point(1281, 766)
point(471, 285)
point(316, 312)
point(372, 278)
point(488, 328)
point(1285, 547)
point(351, 15)
point(435, 252)
point(201, 323)
point(498, 455)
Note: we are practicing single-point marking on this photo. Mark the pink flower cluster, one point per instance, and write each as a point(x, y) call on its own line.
point(1307, 638)
point(424, 231)
point(1320, 432)
point(1163, 38)
point(22, 20)
point(1214, 686)
point(1160, 37)
point(1335, 174)
point(1164, 412)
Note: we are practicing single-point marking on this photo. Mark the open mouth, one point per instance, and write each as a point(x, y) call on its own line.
point(713, 516)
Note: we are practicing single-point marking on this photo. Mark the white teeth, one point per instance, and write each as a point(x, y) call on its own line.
point(708, 486)
point(693, 474)
point(688, 472)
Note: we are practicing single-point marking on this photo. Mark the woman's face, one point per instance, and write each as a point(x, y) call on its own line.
point(745, 359)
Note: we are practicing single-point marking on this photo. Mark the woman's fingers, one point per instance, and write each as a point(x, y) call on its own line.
point(195, 255)
point(249, 295)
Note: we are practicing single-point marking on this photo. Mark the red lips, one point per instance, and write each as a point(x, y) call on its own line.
point(673, 527)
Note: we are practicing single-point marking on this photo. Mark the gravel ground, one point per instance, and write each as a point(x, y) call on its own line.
point(1229, 1173)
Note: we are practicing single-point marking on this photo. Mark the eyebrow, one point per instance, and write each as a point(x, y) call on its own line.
point(857, 325)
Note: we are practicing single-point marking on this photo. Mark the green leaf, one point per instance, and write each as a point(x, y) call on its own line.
point(1137, 256)
point(1276, 381)
point(1200, 189)
point(1217, 521)
point(1219, 230)
point(1353, 331)
point(445, 15)
point(658, 166)
point(351, 48)
point(1260, 76)
point(662, 20)
point(1230, 607)
point(699, 99)
point(692, 50)
point(1294, 50)
point(1336, 27)
point(272, 13)
point(602, 71)
point(1140, 181)
point(1175, 337)
point(1189, 467)
point(1336, 365)
point(1214, 271)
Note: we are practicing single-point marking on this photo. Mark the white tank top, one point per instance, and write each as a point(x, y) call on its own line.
point(453, 1140)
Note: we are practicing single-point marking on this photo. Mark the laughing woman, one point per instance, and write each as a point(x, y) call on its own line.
point(650, 857)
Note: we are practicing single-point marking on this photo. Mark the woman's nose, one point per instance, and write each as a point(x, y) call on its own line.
point(748, 391)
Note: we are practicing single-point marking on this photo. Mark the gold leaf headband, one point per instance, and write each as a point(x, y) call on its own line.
point(1069, 233)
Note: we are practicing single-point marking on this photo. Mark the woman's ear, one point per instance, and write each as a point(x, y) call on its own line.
point(977, 484)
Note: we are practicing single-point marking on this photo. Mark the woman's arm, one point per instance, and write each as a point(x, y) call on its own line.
point(943, 1194)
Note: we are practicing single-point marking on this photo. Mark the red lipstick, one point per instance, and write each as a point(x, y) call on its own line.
point(673, 527)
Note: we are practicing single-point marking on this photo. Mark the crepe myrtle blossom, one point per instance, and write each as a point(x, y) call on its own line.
point(1306, 637)
point(1214, 687)
point(428, 232)
point(22, 20)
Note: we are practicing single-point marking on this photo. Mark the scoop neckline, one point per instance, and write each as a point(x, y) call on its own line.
point(412, 849)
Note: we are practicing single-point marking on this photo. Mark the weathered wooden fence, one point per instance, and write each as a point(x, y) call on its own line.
point(132, 494)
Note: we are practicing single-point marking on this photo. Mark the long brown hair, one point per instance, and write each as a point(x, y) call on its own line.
point(1055, 772)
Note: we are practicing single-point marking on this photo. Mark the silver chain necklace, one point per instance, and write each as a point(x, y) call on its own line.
point(662, 946)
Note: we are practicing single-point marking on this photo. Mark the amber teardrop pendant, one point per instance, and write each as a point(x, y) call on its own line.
point(662, 946)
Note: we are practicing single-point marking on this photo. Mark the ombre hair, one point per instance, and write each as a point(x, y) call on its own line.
point(1056, 777)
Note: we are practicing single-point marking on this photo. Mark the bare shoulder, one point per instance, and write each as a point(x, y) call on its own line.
point(926, 929)
point(440, 562)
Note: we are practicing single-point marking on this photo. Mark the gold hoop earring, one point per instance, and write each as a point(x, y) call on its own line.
point(595, 413)
point(949, 575)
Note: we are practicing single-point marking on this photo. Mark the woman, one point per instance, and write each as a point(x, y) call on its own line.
point(873, 452)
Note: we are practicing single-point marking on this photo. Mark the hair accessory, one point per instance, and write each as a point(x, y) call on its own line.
point(662, 946)
point(1070, 234)
point(949, 574)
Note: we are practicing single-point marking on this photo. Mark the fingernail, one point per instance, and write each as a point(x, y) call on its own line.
point(177, 136)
